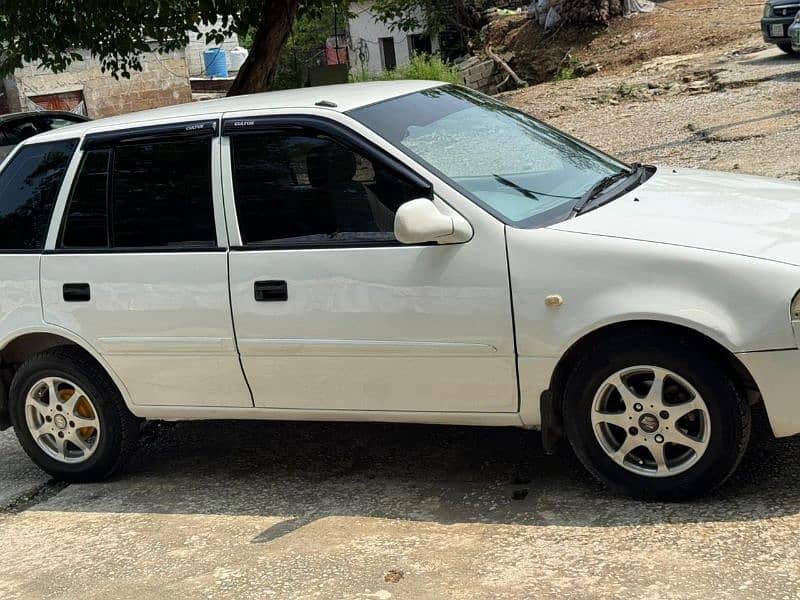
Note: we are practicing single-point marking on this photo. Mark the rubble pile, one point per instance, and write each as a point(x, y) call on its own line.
point(581, 12)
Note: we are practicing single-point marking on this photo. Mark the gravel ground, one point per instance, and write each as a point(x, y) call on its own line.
point(263, 510)
point(738, 111)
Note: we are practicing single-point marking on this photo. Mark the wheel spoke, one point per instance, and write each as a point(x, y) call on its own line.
point(628, 397)
point(681, 410)
point(618, 419)
point(43, 429)
point(61, 443)
point(52, 392)
point(81, 422)
point(679, 438)
point(69, 403)
point(78, 441)
point(655, 395)
point(657, 450)
point(625, 448)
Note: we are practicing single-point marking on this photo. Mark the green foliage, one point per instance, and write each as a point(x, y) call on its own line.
point(422, 66)
point(568, 69)
point(463, 16)
point(305, 47)
point(118, 33)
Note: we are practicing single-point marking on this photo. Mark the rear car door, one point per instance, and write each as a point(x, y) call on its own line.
point(331, 311)
point(138, 265)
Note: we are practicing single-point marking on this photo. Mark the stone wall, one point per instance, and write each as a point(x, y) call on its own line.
point(164, 80)
point(481, 74)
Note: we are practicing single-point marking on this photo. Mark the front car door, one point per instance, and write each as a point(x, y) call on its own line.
point(330, 311)
point(138, 266)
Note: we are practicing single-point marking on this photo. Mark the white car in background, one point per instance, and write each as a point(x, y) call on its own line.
point(394, 251)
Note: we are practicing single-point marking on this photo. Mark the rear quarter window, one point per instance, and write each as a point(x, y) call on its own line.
point(29, 184)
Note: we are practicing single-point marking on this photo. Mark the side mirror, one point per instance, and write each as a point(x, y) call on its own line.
point(419, 221)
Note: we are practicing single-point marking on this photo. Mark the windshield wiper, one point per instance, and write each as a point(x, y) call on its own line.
point(597, 189)
point(507, 182)
point(534, 195)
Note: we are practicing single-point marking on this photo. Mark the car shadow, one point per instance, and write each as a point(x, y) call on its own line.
point(301, 472)
point(778, 57)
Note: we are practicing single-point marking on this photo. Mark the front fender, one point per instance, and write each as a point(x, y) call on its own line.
point(740, 302)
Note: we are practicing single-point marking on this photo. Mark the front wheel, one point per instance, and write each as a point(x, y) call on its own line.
point(69, 416)
point(655, 422)
point(787, 48)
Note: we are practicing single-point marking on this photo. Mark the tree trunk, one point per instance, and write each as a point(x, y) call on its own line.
point(258, 70)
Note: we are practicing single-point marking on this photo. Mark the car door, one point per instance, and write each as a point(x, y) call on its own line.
point(138, 266)
point(331, 312)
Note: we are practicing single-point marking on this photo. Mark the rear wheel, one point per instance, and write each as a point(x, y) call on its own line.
point(69, 416)
point(656, 421)
point(787, 48)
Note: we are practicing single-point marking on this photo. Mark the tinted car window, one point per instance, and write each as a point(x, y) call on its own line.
point(157, 194)
point(161, 195)
point(86, 224)
point(29, 185)
point(48, 123)
point(304, 189)
point(18, 130)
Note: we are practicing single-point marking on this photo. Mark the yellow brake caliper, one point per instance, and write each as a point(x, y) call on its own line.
point(83, 408)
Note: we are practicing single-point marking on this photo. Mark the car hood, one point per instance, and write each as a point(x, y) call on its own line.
point(737, 214)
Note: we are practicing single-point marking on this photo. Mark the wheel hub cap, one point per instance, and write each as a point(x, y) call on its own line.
point(648, 423)
point(62, 420)
point(651, 421)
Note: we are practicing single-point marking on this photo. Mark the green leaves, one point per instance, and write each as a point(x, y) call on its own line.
point(116, 33)
point(53, 34)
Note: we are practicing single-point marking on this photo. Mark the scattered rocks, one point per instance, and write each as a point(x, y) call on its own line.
point(393, 576)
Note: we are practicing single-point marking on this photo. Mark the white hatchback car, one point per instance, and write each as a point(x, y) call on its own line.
point(394, 251)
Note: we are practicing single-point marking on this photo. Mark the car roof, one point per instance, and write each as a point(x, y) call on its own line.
point(343, 97)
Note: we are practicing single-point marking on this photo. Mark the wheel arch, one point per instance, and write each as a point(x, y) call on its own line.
point(16, 348)
point(552, 400)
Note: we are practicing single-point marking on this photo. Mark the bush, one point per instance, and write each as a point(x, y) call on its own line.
point(422, 66)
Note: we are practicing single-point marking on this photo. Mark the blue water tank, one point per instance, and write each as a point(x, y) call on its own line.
point(216, 62)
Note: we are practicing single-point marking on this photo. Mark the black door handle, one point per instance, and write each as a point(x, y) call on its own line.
point(76, 292)
point(271, 291)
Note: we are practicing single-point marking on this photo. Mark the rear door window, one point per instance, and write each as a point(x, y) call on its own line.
point(29, 186)
point(154, 194)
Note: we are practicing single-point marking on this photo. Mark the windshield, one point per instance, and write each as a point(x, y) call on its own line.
point(522, 171)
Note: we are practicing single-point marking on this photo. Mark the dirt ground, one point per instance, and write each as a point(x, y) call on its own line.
point(270, 510)
point(734, 109)
point(675, 27)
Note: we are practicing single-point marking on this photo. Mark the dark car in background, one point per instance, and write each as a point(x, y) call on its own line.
point(16, 127)
point(778, 17)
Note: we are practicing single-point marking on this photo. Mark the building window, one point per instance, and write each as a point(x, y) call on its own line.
point(419, 43)
point(388, 58)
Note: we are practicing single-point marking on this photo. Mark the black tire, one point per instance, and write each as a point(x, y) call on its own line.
point(728, 412)
point(787, 48)
point(120, 429)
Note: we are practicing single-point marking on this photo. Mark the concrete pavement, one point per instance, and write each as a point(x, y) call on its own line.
point(260, 510)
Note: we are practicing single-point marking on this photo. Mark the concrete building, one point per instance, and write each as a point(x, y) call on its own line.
point(374, 46)
point(85, 89)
